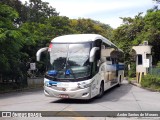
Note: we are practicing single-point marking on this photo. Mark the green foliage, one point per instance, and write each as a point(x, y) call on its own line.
point(152, 32)
point(7, 16)
point(10, 42)
point(158, 64)
point(132, 71)
point(39, 11)
point(91, 26)
point(60, 26)
point(151, 81)
point(34, 11)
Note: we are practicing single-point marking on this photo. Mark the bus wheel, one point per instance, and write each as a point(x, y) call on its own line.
point(119, 82)
point(101, 90)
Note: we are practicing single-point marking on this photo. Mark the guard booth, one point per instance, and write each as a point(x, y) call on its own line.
point(143, 60)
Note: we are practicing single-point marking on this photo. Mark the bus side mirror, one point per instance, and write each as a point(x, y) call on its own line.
point(38, 54)
point(93, 53)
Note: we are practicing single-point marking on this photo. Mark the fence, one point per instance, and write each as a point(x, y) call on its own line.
point(8, 83)
point(28, 79)
point(154, 71)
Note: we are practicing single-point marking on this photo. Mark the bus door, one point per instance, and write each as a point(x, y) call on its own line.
point(96, 79)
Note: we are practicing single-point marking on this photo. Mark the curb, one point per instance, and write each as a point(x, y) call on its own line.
point(138, 85)
point(135, 84)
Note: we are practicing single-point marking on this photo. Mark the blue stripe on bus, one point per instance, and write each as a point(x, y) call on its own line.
point(52, 83)
point(119, 67)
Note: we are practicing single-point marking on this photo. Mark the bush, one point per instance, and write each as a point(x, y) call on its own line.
point(132, 71)
point(151, 81)
point(158, 64)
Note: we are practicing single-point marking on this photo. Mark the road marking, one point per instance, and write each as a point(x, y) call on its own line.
point(79, 118)
point(77, 114)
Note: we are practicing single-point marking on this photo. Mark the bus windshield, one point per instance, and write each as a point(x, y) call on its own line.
point(70, 61)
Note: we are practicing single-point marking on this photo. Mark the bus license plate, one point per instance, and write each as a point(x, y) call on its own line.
point(63, 96)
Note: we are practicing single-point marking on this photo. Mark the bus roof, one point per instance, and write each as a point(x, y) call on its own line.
point(74, 38)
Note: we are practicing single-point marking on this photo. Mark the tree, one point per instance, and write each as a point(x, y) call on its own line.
point(91, 26)
point(19, 7)
point(10, 42)
point(60, 25)
point(39, 11)
point(34, 11)
point(151, 32)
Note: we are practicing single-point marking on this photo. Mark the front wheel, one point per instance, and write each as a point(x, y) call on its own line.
point(101, 90)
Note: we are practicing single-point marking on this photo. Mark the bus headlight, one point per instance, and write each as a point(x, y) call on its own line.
point(46, 83)
point(83, 85)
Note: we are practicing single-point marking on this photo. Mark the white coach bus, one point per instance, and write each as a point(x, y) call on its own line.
point(82, 66)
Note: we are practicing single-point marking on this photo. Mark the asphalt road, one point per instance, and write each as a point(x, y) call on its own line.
point(124, 98)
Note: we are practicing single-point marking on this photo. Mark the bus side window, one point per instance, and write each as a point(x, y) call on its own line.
point(108, 58)
point(95, 68)
point(98, 43)
point(112, 61)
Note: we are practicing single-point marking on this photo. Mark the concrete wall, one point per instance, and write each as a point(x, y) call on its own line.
point(33, 82)
point(142, 49)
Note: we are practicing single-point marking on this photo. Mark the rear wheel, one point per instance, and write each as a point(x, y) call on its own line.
point(101, 90)
point(119, 82)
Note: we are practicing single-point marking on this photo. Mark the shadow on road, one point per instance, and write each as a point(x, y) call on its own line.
point(116, 93)
point(73, 101)
point(113, 94)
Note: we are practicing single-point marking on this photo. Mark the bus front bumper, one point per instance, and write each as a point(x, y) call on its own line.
point(76, 94)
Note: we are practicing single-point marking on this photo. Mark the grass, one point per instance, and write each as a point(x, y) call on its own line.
point(151, 82)
point(131, 79)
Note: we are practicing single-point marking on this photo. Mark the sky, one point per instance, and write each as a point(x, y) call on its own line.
point(105, 11)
